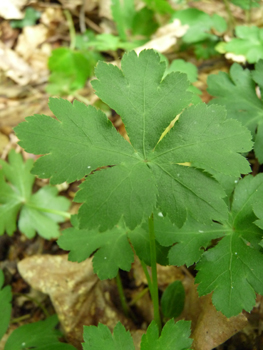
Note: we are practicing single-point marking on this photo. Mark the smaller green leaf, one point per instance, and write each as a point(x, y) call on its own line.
point(30, 18)
point(100, 338)
point(40, 335)
point(112, 249)
point(5, 305)
point(172, 301)
point(200, 24)
point(159, 6)
point(69, 70)
point(144, 22)
point(123, 13)
point(40, 212)
point(174, 336)
point(248, 42)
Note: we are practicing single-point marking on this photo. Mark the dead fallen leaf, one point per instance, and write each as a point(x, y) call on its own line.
point(29, 40)
point(165, 37)
point(213, 328)
point(11, 9)
point(77, 294)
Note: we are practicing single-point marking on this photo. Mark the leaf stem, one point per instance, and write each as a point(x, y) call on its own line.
point(124, 304)
point(154, 287)
point(51, 211)
point(72, 32)
point(42, 307)
point(231, 19)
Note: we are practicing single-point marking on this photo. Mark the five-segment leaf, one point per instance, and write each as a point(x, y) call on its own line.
point(5, 305)
point(232, 269)
point(237, 93)
point(16, 195)
point(170, 173)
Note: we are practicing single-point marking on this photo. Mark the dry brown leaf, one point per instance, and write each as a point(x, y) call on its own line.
point(78, 296)
point(213, 328)
point(29, 40)
point(15, 67)
point(10, 9)
point(70, 4)
point(165, 37)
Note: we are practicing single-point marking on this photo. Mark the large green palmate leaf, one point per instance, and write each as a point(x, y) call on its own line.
point(237, 93)
point(5, 305)
point(232, 269)
point(16, 195)
point(171, 173)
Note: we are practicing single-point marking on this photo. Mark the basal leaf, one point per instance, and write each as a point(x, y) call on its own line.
point(232, 269)
point(16, 195)
point(5, 305)
point(100, 338)
point(174, 336)
point(30, 18)
point(170, 172)
point(112, 249)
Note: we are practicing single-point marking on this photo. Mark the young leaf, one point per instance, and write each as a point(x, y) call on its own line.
point(123, 13)
point(100, 338)
point(248, 42)
point(172, 301)
point(69, 70)
point(30, 18)
point(174, 336)
point(159, 6)
point(152, 170)
point(40, 335)
point(35, 208)
point(200, 24)
point(5, 305)
point(236, 92)
point(112, 249)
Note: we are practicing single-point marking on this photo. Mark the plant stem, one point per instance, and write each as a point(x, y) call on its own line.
point(148, 277)
point(72, 32)
point(154, 287)
point(124, 304)
point(51, 211)
point(81, 98)
point(231, 19)
point(138, 296)
point(42, 307)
